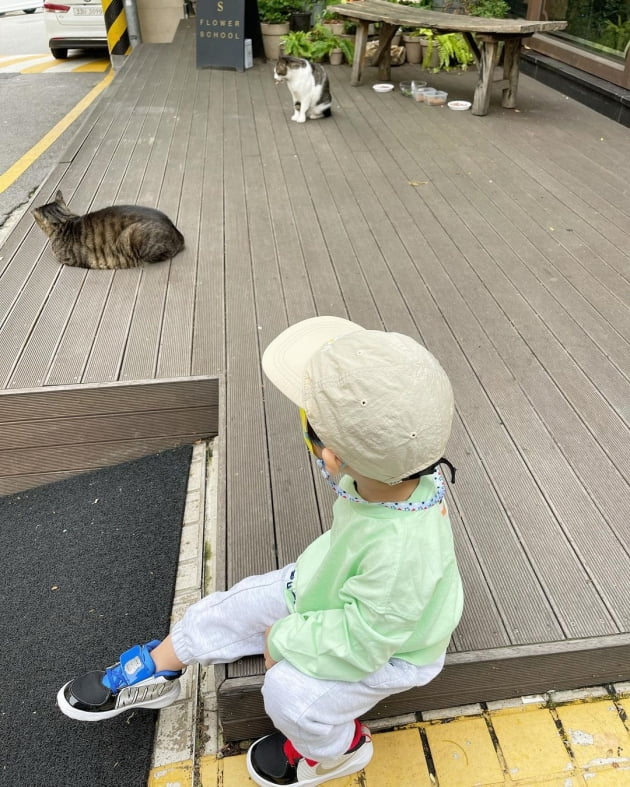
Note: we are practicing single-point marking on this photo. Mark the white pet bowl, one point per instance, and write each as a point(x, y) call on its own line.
point(459, 105)
point(383, 87)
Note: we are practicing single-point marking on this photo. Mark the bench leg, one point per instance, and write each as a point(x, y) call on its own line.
point(384, 54)
point(360, 40)
point(487, 63)
point(511, 67)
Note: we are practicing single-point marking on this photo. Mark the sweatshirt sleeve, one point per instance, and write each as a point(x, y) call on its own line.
point(352, 641)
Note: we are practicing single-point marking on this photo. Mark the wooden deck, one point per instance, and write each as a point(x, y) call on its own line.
point(501, 242)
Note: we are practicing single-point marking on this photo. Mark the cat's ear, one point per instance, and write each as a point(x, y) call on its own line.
point(59, 198)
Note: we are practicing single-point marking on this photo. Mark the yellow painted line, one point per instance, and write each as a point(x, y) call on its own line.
point(21, 165)
point(93, 66)
point(42, 67)
point(13, 60)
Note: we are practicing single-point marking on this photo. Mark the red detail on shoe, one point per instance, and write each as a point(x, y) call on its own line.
point(358, 734)
point(291, 753)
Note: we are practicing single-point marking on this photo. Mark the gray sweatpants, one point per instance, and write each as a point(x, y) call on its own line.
point(316, 715)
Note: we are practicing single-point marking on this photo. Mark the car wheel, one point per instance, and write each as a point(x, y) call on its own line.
point(59, 54)
point(30, 10)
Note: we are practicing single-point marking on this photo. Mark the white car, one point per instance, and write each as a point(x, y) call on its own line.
point(74, 24)
point(28, 6)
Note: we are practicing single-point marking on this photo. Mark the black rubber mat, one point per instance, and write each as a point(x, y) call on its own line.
point(88, 569)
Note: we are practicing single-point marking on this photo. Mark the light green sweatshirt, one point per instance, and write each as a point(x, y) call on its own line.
point(381, 583)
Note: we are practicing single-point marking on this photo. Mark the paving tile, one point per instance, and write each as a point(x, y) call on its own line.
point(234, 773)
point(463, 753)
point(575, 780)
point(608, 778)
point(175, 775)
point(398, 761)
point(531, 743)
point(596, 734)
point(208, 770)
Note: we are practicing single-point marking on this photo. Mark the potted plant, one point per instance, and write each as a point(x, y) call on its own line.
point(412, 40)
point(274, 23)
point(331, 20)
point(327, 44)
point(297, 43)
point(445, 51)
point(300, 16)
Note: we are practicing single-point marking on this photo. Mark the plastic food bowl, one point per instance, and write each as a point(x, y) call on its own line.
point(436, 99)
point(405, 88)
point(459, 105)
point(419, 93)
point(383, 87)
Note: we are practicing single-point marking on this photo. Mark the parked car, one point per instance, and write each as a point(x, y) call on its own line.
point(28, 6)
point(74, 24)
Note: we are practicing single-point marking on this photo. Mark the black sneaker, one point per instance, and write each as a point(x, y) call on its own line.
point(274, 760)
point(130, 683)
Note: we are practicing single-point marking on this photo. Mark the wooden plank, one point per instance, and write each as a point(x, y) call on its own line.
point(108, 454)
point(181, 198)
point(466, 679)
point(81, 456)
point(251, 543)
point(208, 346)
point(99, 398)
point(592, 481)
point(74, 430)
point(273, 244)
point(406, 16)
point(53, 433)
point(506, 257)
point(454, 308)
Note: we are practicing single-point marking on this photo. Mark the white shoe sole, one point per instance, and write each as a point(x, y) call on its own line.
point(355, 762)
point(82, 715)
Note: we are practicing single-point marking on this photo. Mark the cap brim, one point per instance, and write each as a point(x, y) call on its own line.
point(285, 360)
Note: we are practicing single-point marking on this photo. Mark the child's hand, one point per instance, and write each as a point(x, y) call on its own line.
point(269, 662)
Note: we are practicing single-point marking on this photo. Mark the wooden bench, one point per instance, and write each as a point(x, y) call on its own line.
point(482, 34)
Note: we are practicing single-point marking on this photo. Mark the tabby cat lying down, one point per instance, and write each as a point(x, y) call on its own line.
point(122, 236)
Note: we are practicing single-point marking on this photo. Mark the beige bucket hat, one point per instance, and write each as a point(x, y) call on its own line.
point(381, 401)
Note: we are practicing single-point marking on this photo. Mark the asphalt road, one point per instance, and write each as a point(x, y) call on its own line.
point(31, 105)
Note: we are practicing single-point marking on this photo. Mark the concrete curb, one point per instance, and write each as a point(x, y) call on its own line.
point(188, 729)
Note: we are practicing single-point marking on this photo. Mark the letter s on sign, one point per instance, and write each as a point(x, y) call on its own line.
point(220, 5)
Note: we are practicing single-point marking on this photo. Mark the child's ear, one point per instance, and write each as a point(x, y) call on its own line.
point(333, 463)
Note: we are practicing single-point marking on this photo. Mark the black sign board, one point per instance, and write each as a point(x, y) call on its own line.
point(221, 34)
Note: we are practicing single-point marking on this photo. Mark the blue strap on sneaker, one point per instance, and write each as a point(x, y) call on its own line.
point(134, 666)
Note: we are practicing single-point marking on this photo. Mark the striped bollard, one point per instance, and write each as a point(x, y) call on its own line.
point(118, 41)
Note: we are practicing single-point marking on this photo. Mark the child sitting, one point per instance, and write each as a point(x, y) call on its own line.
point(368, 609)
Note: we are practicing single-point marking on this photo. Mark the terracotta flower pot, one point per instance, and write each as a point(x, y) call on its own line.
point(336, 57)
point(413, 48)
point(271, 35)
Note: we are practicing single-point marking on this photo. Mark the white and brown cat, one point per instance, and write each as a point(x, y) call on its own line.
point(308, 85)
